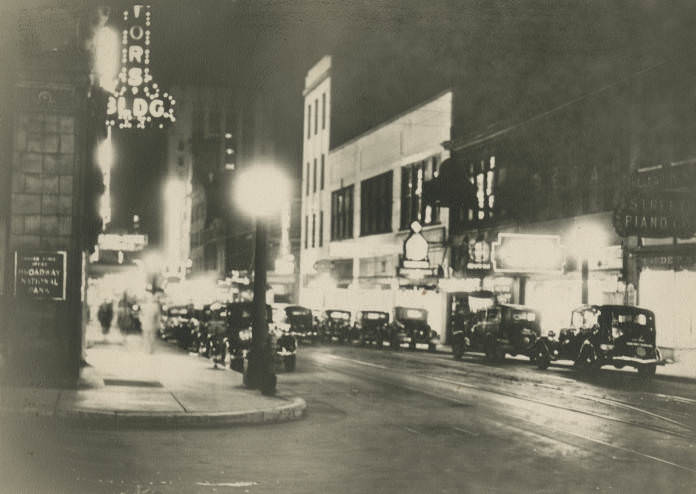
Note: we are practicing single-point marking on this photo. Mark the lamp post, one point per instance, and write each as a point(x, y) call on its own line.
point(261, 191)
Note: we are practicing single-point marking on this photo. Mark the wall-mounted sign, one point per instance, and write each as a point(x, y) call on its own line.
point(656, 213)
point(524, 253)
point(673, 176)
point(131, 242)
point(414, 263)
point(40, 275)
point(138, 100)
point(677, 262)
point(479, 256)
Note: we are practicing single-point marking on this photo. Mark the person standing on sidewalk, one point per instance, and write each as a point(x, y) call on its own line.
point(150, 318)
point(106, 315)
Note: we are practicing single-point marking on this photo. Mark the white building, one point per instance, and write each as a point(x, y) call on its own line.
point(359, 199)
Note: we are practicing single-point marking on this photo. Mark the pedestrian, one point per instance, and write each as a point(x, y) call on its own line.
point(150, 314)
point(123, 317)
point(105, 315)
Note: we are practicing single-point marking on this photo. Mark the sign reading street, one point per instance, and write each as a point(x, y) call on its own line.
point(40, 275)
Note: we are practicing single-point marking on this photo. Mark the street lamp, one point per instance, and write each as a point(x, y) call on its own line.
point(261, 191)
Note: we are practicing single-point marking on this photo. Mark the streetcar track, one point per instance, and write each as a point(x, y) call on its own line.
point(561, 407)
point(547, 404)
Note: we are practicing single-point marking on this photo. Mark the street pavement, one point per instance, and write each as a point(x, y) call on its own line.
point(382, 421)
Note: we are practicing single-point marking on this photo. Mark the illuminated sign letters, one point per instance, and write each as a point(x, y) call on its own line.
point(137, 100)
point(523, 253)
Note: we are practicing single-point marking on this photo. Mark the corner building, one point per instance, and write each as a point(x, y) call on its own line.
point(359, 199)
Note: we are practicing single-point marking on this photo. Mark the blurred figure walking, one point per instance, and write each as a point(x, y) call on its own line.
point(150, 317)
point(105, 315)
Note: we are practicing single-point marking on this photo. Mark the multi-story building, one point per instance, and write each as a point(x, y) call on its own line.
point(569, 175)
point(359, 199)
point(200, 156)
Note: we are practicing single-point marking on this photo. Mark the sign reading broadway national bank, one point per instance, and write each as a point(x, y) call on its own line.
point(40, 275)
point(656, 213)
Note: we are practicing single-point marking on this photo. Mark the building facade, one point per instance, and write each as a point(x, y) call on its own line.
point(200, 159)
point(359, 200)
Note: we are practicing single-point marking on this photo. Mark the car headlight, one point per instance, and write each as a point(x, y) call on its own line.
point(245, 335)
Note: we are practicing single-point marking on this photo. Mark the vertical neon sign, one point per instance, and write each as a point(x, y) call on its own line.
point(137, 100)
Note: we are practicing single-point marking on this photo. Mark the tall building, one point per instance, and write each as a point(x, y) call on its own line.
point(200, 159)
point(359, 199)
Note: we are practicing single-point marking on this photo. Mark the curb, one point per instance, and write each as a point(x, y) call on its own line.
point(293, 410)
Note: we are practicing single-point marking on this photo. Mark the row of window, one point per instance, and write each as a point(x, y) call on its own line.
point(376, 198)
point(316, 115)
point(316, 239)
point(314, 174)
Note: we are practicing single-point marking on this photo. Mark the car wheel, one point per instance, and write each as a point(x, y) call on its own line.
point(380, 343)
point(432, 347)
point(542, 358)
point(290, 363)
point(647, 371)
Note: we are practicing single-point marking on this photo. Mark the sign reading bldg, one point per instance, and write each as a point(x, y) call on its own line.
point(40, 275)
point(138, 100)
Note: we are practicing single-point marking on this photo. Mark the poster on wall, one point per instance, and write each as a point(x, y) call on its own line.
point(40, 275)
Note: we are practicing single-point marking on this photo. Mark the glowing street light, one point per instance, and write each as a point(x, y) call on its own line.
point(261, 191)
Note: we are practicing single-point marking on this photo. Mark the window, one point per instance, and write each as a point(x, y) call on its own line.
point(482, 176)
point(413, 206)
point(316, 116)
point(307, 187)
point(309, 121)
point(306, 231)
point(323, 111)
point(322, 172)
point(342, 213)
point(314, 229)
point(321, 228)
point(314, 185)
point(375, 204)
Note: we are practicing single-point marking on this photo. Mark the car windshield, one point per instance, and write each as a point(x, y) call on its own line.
point(374, 315)
point(584, 319)
point(524, 316)
point(339, 315)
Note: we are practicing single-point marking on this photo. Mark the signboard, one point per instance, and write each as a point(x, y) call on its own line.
point(524, 253)
point(137, 99)
point(656, 213)
point(415, 265)
point(674, 176)
point(678, 262)
point(40, 275)
point(131, 242)
point(479, 258)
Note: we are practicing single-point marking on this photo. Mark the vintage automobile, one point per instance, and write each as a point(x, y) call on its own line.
point(468, 309)
point(299, 322)
point(176, 322)
point(336, 325)
point(411, 326)
point(509, 329)
point(617, 335)
point(240, 320)
point(372, 327)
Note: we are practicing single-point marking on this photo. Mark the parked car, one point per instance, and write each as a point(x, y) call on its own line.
point(617, 335)
point(411, 326)
point(336, 325)
point(469, 308)
point(299, 322)
point(509, 329)
point(240, 321)
point(176, 321)
point(373, 327)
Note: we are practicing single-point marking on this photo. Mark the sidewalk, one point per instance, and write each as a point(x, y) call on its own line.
point(124, 387)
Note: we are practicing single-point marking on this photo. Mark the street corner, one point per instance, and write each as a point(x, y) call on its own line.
point(283, 409)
